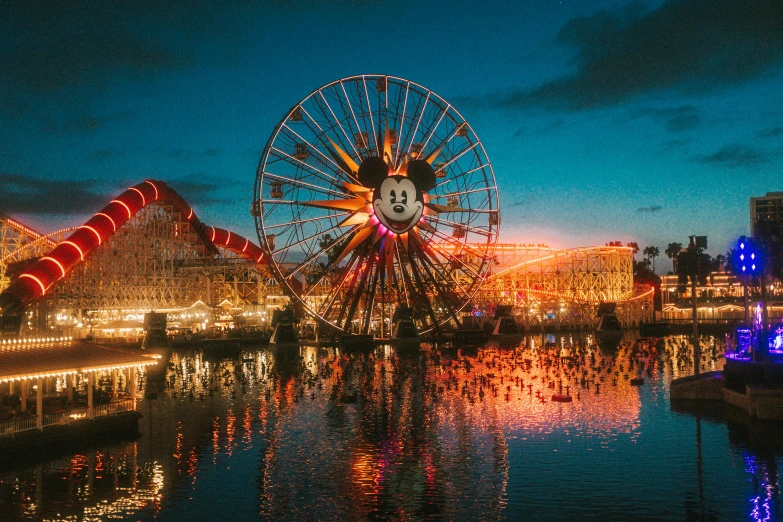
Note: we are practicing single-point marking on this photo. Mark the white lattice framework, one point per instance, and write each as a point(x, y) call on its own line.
point(19, 243)
point(562, 288)
point(156, 262)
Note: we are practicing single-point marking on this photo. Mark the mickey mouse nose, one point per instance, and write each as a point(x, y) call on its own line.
point(399, 209)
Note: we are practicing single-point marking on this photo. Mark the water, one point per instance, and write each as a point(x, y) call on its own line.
point(271, 434)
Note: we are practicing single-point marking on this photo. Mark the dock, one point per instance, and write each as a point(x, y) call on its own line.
point(49, 392)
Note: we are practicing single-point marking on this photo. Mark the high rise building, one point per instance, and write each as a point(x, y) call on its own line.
point(766, 225)
point(767, 208)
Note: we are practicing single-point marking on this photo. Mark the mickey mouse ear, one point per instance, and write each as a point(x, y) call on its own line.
point(422, 174)
point(373, 171)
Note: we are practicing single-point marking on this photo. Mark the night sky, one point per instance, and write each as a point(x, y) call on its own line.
point(604, 120)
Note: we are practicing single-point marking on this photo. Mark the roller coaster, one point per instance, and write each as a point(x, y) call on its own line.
point(146, 250)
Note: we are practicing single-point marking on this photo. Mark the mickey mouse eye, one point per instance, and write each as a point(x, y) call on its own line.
point(404, 198)
point(393, 195)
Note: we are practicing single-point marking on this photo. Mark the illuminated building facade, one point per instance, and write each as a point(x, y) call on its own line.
point(721, 299)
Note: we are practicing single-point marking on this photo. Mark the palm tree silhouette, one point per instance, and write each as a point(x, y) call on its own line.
point(671, 252)
point(651, 252)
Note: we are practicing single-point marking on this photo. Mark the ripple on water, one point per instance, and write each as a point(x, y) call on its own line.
point(426, 435)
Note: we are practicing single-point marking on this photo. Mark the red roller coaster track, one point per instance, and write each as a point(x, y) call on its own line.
point(36, 282)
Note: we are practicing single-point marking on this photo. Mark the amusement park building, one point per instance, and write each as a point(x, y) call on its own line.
point(148, 251)
point(720, 299)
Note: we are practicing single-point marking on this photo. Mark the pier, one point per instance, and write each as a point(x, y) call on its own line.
point(59, 385)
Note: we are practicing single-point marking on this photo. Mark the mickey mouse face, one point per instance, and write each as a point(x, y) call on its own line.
point(398, 200)
point(398, 204)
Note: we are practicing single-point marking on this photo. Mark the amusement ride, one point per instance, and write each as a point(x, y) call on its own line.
point(374, 194)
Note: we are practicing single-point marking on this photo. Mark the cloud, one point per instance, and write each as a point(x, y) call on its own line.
point(735, 155)
point(30, 195)
point(675, 119)
point(771, 133)
point(201, 189)
point(188, 154)
point(651, 208)
point(64, 54)
point(108, 152)
point(692, 47)
point(76, 44)
point(549, 127)
point(81, 124)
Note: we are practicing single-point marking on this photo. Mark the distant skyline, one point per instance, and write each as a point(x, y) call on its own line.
point(604, 120)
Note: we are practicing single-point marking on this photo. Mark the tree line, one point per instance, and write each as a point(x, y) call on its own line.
point(647, 263)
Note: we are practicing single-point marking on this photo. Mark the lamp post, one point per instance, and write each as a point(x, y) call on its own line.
point(697, 268)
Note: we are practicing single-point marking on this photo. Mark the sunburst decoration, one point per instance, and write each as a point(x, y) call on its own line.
point(374, 193)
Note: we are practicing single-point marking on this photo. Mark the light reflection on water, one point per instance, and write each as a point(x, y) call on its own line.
point(436, 433)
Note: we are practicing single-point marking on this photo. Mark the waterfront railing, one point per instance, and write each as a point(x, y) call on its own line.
point(11, 427)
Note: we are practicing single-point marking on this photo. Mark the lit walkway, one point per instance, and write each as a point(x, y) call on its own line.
point(51, 371)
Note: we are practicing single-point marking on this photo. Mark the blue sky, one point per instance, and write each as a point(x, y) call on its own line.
point(603, 120)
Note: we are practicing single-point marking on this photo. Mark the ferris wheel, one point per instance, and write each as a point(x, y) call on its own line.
point(373, 193)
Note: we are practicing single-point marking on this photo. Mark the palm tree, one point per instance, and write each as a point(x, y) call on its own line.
point(729, 260)
point(672, 251)
point(635, 246)
point(651, 252)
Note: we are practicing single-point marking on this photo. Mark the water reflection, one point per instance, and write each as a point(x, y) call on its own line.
point(758, 444)
point(92, 485)
point(437, 433)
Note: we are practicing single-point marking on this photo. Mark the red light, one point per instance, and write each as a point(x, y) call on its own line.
point(74, 245)
point(124, 205)
point(88, 227)
point(47, 258)
point(228, 239)
point(143, 200)
point(247, 242)
point(153, 186)
point(213, 233)
point(191, 214)
point(113, 225)
point(43, 288)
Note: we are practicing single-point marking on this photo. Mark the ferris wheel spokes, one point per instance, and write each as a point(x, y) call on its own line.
point(333, 233)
